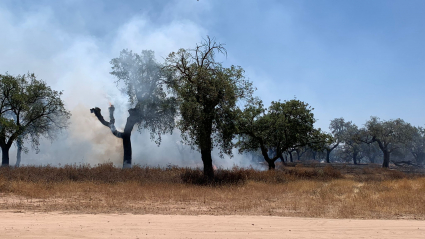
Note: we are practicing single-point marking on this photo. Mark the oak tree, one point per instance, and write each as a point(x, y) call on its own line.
point(29, 110)
point(207, 94)
point(389, 135)
point(284, 125)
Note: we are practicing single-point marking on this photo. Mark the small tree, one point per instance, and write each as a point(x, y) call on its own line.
point(281, 127)
point(207, 94)
point(151, 108)
point(29, 109)
point(352, 141)
point(389, 135)
point(417, 145)
point(337, 128)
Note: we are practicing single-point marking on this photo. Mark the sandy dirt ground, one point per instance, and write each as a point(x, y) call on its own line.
point(58, 225)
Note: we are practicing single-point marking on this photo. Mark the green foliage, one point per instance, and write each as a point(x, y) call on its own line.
point(337, 128)
point(207, 94)
point(390, 135)
point(29, 108)
point(282, 126)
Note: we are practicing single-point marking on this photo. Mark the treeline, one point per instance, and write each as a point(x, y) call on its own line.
point(378, 142)
point(212, 105)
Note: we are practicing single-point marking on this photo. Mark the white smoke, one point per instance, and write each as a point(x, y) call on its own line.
point(78, 64)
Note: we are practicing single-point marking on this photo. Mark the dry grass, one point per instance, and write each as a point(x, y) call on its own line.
point(299, 191)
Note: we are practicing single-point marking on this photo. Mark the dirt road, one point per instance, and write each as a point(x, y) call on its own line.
point(57, 225)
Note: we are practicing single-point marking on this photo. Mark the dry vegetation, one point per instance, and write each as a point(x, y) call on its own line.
point(313, 191)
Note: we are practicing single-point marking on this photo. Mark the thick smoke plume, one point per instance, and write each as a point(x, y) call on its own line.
point(78, 64)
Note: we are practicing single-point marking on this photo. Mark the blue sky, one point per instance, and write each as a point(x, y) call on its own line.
point(350, 59)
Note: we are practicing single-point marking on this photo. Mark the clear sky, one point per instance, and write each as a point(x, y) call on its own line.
point(351, 59)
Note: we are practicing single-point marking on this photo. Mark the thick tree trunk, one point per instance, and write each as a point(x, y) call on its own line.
point(208, 167)
point(290, 157)
point(265, 154)
point(126, 138)
point(272, 165)
point(5, 156)
point(384, 148)
point(206, 148)
point(386, 163)
point(126, 142)
point(328, 153)
point(355, 157)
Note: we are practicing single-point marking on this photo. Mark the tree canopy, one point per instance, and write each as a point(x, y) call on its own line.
point(389, 135)
point(282, 126)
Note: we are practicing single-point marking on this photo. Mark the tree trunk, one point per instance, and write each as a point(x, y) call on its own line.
point(328, 153)
point(126, 135)
point(18, 153)
point(355, 157)
point(5, 156)
point(283, 159)
point(206, 148)
point(386, 163)
point(208, 167)
point(272, 165)
point(126, 142)
point(290, 157)
point(265, 154)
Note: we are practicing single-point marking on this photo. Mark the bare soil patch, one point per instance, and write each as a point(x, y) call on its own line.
point(56, 225)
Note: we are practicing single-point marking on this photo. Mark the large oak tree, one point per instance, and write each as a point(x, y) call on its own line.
point(207, 93)
point(29, 110)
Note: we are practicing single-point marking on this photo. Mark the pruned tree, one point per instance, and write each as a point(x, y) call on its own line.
point(282, 126)
point(29, 110)
point(151, 107)
point(389, 135)
point(207, 94)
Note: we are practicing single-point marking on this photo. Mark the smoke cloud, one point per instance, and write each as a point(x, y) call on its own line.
point(78, 64)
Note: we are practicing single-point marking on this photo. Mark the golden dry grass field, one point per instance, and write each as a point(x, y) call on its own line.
point(323, 192)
